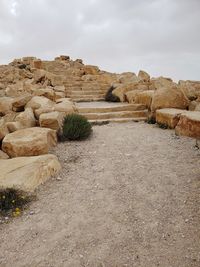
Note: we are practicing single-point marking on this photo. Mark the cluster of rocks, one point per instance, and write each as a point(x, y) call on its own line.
point(31, 115)
point(174, 105)
point(35, 96)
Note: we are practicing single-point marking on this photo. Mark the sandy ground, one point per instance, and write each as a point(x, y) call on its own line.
point(129, 196)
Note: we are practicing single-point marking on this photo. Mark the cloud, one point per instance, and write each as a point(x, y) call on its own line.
point(160, 36)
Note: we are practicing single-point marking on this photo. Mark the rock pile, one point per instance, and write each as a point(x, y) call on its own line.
point(36, 95)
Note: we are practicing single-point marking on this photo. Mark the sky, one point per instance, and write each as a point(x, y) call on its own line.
point(161, 37)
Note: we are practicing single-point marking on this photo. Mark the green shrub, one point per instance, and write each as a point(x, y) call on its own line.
point(75, 127)
point(12, 200)
point(110, 97)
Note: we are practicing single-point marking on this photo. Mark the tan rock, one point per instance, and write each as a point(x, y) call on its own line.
point(128, 77)
point(65, 105)
point(3, 129)
point(20, 102)
point(46, 92)
point(144, 76)
point(60, 88)
point(24, 120)
point(171, 97)
point(144, 98)
point(93, 70)
point(121, 90)
point(169, 116)
point(39, 102)
point(3, 155)
point(189, 124)
point(52, 120)
point(130, 95)
point(27, 173)
point(29, 142)
point(161, 83)
point(5, 105)
point(59, 95)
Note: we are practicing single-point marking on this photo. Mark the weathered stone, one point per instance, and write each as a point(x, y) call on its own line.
point(20, 102)
point(46, 92)
point(39, 102)
point(189, 124)
point(65, 105)
point(140, 97)
point(5, 105)
point(144, 76)
point(29, 142)
point(3, 129)
point(171, 97)
point(169, 116)
point(24, 120)
point(3, 155)
point(27, 173)
point(93, 70)
point(161, 83)
point(52, 120)
point(59, 95)
point(121, 90)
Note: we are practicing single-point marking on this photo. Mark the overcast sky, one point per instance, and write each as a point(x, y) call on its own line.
point(159, 36)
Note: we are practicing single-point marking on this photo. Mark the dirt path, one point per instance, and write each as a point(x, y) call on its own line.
point(130, 196)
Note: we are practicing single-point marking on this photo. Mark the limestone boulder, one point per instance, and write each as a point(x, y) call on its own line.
point(121, 90)
point(29, 142)
point(169, 116)
point(52, 120)
point(144, 76)
point(189, 124)
point(3, 129)
point(127, 77)
point(65, 105)
point(19, 102)
point(24, 120)
point(27, 173)
point(161, 83)
point(169, 97)
point(46, 92)
point(93, 70)
point(5, 105)
point(38, 102)
point(144, 98)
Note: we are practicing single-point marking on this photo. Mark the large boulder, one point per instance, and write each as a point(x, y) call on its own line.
point(3, 129)
point(39, 102)
point(160, 83)
point(5, 105)
point(3, 155)
point(65, 105)
point(52, 120)
point(144, 76)
point(29, 142)
point(189, 124)
point(46, 92)
point(19, 102)
point(27, 173)
point(25, 119)
point(169, 116)
point(140, 97)
point(122, 89)
point(169, 97)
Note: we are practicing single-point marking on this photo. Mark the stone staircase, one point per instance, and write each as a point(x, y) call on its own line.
point(104, 112)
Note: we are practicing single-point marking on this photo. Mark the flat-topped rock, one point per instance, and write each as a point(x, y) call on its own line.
point(27, 173)
point(29, 142)
point(169, 116)
point(189, 124)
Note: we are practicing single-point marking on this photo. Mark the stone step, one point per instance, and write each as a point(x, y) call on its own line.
point(84, 93)
point(109, 107)
point(87, 99)
point(117, 120)
point(117, 115)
